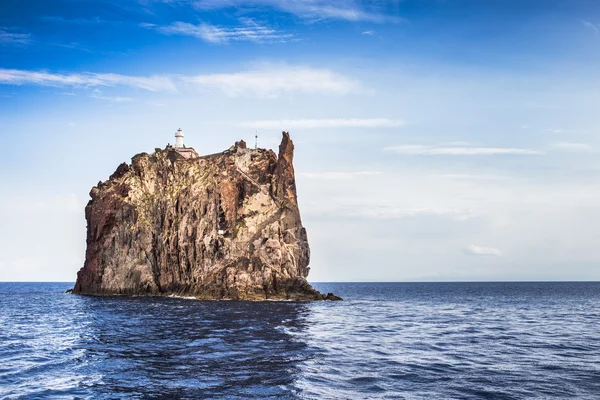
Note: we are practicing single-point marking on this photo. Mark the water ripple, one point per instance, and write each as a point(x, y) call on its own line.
point(385, 341)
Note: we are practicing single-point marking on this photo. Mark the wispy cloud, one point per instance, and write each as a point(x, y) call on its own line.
point(7, 37)
point(115, 99)
point(467, 176)
point(385, 211)
point(268, 81)
point(371, 33)
point(473, 250)
point(309, 9)
point(275, 81)
point(334, 175)
point(323, 123)
point(590, 25)
point(248, 31)
point(43, 78)
point(97, 94)
point(78, 21)
point(574, 147)
point(456, 143)
point(412, 149)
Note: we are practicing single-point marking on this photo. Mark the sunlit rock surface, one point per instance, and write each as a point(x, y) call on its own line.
point(223, 226)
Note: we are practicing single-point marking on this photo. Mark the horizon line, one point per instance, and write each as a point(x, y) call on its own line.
point(311, 282)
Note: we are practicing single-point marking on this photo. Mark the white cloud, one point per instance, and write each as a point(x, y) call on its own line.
point(456, 143)
point(337, 175)
point(591, 25)
point(413, 149)
point(277, 81)
point(482, 251)
point(575, 147)
point(86, 79)
point(384, 210)
point(114, 99)
point(388, 211)
point(78, 21)
point(466, 176)
point(307, 9)
point(368, 33)
point(14, 38)
point(249, 31)
point(268, 81)
point(323, 123)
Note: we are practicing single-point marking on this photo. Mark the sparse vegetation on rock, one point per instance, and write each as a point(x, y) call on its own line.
point(224, 226)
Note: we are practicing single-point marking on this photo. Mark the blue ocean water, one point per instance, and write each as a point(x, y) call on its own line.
point(386, 340)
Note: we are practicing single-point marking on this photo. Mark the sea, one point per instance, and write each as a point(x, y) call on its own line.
point(384, 341)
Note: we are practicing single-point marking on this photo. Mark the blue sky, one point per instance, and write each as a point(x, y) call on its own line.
point(436, 140)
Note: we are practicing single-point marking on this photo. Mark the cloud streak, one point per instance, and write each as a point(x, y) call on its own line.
point(591, 26)
point(274, 82)
point(473, 250)
point(382, 210)
point(412, 149)
point(78, 21)
point(323, 123)
point(307, 9)
point(43, 78)
point(115, 99)
point(249, 31)
point(14, 38)
point(334, 175)
point(266, 82)
point(573, 147)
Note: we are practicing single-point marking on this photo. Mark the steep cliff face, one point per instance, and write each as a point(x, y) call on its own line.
point(224, 226)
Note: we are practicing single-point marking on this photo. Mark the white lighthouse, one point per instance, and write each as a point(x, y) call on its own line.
point(179, 139)
point(179, 150)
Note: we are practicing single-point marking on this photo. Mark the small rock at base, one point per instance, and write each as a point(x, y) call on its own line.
point(333, 297)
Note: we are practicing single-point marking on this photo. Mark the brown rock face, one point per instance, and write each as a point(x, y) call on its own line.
point(224, 226)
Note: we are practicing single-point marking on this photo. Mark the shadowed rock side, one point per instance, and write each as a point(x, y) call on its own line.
point(224, 226)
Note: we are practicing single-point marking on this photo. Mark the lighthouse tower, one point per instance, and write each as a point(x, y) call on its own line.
point(179, 150)
point(179, 139)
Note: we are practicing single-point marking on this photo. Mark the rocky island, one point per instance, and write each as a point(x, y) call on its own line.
point(221, 226)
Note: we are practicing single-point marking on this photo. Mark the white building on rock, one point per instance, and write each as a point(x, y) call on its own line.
point(180, 149)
